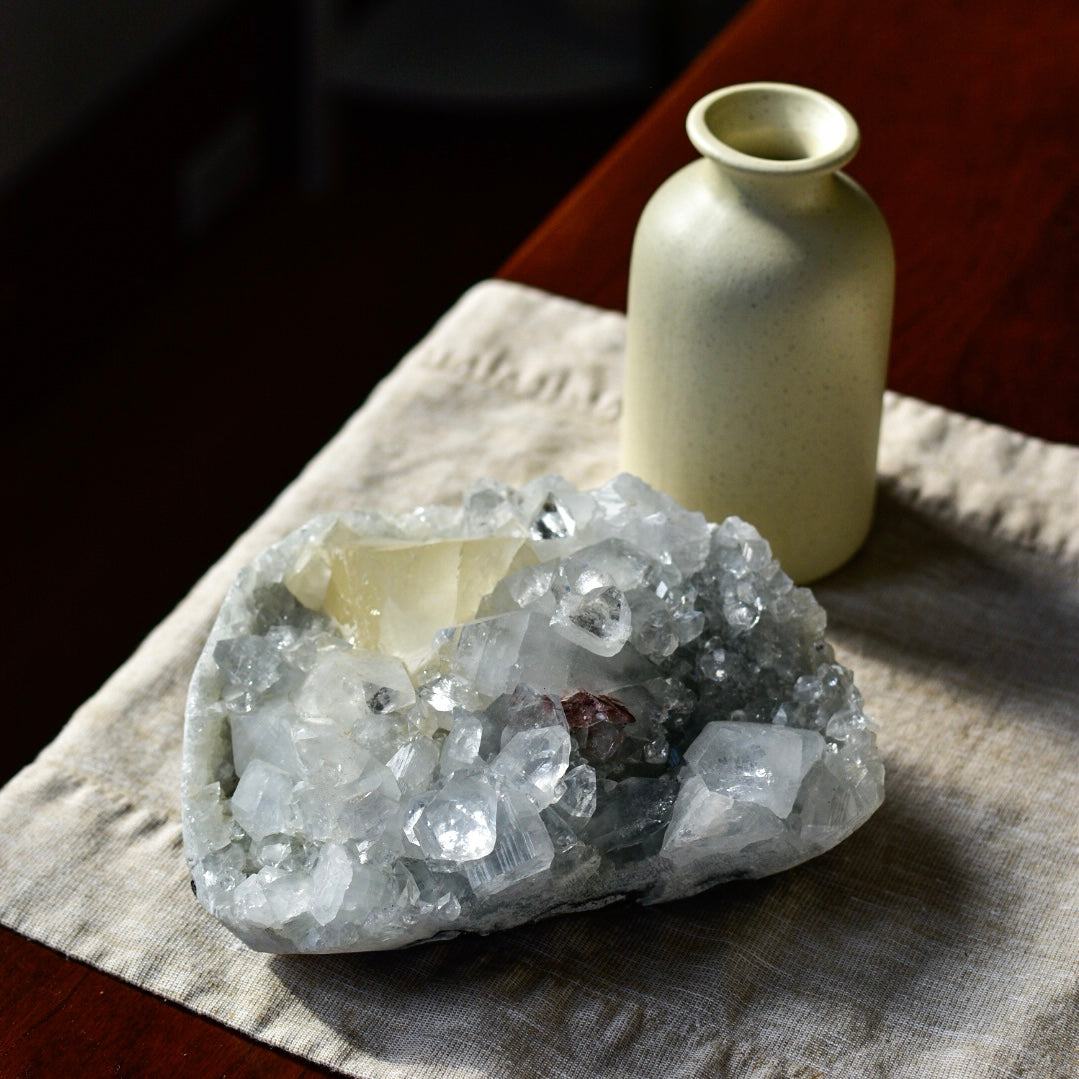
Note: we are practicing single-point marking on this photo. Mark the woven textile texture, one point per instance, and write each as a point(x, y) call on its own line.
point(941, 940)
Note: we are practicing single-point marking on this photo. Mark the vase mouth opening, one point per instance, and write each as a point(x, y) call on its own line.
point(772, 128)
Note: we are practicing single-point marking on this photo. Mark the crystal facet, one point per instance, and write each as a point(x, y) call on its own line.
point(461, 720)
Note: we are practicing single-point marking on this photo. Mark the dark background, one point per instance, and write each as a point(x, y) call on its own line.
point(194, 296)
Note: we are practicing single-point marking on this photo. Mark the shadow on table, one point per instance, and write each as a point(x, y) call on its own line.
point(809, 963)
point(937, 598)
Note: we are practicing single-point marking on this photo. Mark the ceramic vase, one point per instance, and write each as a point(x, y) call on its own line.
point(759, 322)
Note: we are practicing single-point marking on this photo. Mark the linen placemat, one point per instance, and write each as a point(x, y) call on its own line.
point(942, 939)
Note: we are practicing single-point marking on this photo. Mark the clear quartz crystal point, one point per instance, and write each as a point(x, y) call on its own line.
point(535, 760)
point(403, 728)
point(755, 762)
point(599, 620)
point(458, 823)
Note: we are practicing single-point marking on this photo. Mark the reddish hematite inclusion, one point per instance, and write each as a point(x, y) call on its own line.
point(599, 717)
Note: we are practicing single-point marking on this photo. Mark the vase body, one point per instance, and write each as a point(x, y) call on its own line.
point(758, 327)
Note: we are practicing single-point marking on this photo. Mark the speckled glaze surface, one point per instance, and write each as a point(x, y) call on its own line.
point(759, 320)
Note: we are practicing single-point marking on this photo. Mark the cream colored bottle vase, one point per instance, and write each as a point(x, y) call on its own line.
point(759, 321)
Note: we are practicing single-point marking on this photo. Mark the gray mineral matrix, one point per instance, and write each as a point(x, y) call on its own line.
point(544, 700)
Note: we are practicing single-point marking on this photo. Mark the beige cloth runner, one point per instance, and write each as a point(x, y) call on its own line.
point(940, 940)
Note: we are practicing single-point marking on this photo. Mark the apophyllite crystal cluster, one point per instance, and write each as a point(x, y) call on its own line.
point(543, 700)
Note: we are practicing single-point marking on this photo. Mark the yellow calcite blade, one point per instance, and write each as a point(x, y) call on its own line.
point(485, 562)
point(394, 596)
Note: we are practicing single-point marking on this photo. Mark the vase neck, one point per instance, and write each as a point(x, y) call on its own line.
point(787, 190)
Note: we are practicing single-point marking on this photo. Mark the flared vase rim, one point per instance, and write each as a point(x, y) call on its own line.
point(773, 129)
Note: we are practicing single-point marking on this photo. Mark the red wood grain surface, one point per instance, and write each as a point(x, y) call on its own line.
point(968, 116)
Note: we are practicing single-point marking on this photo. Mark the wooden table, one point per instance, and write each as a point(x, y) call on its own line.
point(967, 115)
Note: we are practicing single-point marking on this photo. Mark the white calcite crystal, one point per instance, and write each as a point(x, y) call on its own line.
point(545, 700)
